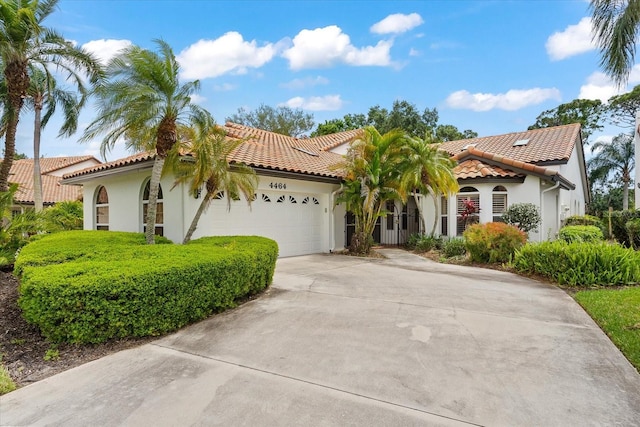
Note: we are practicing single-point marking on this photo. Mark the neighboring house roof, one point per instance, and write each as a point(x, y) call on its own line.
point(551, 145)
point(262, 150)
point(21, 173)
point(502, 166)
point(469, 169)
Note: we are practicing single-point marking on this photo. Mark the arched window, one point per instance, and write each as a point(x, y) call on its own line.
point(499, 202)
point(468, 208)
point(159, 229)
point(102, 209)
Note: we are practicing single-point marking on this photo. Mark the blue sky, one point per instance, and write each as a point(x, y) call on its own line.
point(489, 66)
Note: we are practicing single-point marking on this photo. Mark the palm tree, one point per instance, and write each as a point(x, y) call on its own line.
point(206, 164)
point(373, 175)
point(615, 29)
point(24, 41)
point(614, 158)
point(428, 170)
point(43, 92)
point(143, 101)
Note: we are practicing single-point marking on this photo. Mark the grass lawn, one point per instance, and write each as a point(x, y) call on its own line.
point(617, 311)
point(6, 384)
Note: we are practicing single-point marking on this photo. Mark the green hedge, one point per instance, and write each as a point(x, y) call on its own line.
point(91, 286)
point(619, 220)
point(580, 264)
point(580, 233)
point(583, 220)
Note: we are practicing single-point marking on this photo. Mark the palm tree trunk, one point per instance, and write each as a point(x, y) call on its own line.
point(194, 222)
point(9, 152)
point(154, 185)
point(435, 215)
point(423, 224)
point(625, 194)
point(37, 177)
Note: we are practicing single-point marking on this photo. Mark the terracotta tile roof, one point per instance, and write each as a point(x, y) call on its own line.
point(52, 191)
point(507, 164)
point(553, 144)
point(473, 168)
point(263, 149)
point(327, 142)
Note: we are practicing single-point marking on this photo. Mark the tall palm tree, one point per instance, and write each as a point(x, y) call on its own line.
point(143, 102)
point(373, 175)
point(24, 41)
point(44, 93)
point(206, 164)
point(429, 171)
point(615, 158)
point(615, 29)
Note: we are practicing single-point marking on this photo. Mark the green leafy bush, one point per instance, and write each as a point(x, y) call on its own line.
point(633, 230)
point(583, 220)
point(422, 243)
point(493, 242)
point(580, 233)
point(580, 264)
point(453, 247)
point(63, 216)
point(619, 230)
point(91, 286)
point(525, 216)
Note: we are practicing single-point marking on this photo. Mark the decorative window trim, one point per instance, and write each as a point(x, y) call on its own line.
point(444, 215)
point(102, 207)
point(159, 226)
point(281, 199)
point(266, 198)
point(499, 202)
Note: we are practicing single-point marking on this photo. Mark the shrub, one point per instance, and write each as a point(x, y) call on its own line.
point(580, 264)
point(453, 247)
point(421, 242)
point(63, 216)
point(583, 220)
point(525, 216)
point(619, 221)
point(91, 286)
point(580, 233)
point(633, 230)
point(493, 241)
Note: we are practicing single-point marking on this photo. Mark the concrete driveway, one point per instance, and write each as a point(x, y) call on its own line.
point(347, 341)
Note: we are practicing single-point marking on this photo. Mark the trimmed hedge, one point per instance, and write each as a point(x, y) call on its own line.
point(91, 286)
point(493, 242)
point(580, 264)
point(580, 233)
point(583, 220)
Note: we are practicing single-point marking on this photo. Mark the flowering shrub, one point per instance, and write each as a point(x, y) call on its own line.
point(493, 242)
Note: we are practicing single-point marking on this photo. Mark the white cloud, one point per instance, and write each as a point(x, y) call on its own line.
point(326, 46)
point(224, 87)
point(105, 49)
point(575, 39)
point(198, 99)
point(414, 52)
point(305, 82)
point(514, 99)
point(229, 53)
point(600, 86)
point(397, 23)
point(315, 103)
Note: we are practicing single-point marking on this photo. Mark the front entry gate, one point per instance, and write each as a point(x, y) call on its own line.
point(394, 228)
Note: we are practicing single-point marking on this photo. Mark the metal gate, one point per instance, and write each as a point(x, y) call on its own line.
point(394, 228)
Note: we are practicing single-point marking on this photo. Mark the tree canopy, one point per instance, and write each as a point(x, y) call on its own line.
point(587, 112)
point(282, 120)
point(622, 108)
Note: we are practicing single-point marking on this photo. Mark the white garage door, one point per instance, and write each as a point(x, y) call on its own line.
point(294, 220)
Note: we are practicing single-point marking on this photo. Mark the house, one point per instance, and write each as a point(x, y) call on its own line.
point(545, 167)
point(295, 198)
point(52, 169)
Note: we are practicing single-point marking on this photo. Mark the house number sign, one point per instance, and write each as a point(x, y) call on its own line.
point(278, 186)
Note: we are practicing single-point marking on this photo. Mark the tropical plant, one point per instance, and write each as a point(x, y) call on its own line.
point(144, 102)
point(63, 216)
point(453, 247)
point(206, 165)
point(373, 175)
point(525, 216)
point(615, 158)
point(469, 213)
point(615, 28)
point(428, 170)
point(44, 93)
point(24, 41)
point(493, 242)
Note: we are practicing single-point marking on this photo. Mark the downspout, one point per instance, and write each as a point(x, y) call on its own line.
point(542, 206)
point(332, 234)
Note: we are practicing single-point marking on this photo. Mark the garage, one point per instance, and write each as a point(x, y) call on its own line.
point(295, 220)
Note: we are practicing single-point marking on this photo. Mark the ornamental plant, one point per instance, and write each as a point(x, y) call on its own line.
point(493, 242)
point(580, 233)
point(525, 216)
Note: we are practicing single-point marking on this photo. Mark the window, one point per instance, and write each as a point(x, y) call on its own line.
point(405, 217)
point(390, 208)
point(444, 216)
point(499, 202)
point(102, 209)
point(468, 199)
point(159, 227)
